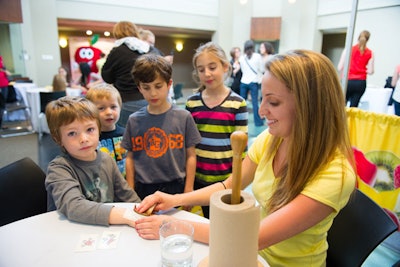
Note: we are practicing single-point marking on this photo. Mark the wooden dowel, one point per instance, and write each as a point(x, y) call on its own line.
point(238, 143)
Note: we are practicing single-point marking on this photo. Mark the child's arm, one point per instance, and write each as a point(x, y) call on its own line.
point(190, 168)
point(130, 169)
point(117, 217)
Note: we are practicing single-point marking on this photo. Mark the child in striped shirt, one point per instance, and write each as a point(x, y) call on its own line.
point(218, 112)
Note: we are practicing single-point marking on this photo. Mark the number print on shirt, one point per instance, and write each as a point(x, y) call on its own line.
point(156, 142)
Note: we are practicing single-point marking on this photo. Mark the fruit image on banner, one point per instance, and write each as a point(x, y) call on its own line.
point(376, 141)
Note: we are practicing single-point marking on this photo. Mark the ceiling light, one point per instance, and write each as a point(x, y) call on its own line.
point(107, 33)
point(63, 42)
point(89, 32)
point(179, 46)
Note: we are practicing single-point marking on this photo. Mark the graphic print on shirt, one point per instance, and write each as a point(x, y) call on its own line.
point(112, 146)
point(95, 190)
point(156, 142)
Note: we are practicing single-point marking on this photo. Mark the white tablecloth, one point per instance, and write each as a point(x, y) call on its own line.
point(375, 99)
point(33, 100)
point(50, 240)
point(21, 90)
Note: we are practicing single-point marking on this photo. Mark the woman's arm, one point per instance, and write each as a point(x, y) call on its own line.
point(340, 65)
point(148, 228)
point(371, 65)
point(395, 76)
point(297, 216)
point(201, 196)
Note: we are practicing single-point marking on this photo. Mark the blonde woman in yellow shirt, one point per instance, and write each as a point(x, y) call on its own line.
point(301, 168)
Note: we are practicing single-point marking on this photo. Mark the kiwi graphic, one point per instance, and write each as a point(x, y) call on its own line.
point(386, 162)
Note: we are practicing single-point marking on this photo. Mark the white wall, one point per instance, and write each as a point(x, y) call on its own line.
point(190, 14)
point(380, 18)
point(39, 39)
point(303, 24)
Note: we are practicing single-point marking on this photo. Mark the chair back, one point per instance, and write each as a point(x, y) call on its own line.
point(46, 97)
point(356, 231)
point(22, 191)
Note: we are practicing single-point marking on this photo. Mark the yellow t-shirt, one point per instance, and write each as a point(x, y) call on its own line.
point(330, 187)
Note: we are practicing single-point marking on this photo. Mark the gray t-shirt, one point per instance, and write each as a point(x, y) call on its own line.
point(79, 188)
point(159, 144)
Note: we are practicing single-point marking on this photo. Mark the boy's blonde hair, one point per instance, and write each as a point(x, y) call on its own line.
point(66, 110)
point(104, 91)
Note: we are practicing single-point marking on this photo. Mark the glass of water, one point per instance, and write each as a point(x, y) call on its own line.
point(176, 244)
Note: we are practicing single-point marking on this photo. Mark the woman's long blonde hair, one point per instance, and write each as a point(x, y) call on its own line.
point(362, 40)
point(125, 29)
point(320, 124)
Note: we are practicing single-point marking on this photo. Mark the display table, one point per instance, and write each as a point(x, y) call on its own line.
point(50, 240)
point(21, 91)
point(32, 96)
point(375, 99)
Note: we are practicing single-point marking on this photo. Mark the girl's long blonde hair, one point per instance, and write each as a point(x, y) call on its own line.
point(320, 124)
point(218, 52)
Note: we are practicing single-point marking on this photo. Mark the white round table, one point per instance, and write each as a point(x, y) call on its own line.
point(50, 239)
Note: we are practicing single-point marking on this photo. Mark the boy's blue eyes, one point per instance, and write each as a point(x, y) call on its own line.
point(89, 130)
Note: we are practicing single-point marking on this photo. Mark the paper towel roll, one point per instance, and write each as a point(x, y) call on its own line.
point(233, 231)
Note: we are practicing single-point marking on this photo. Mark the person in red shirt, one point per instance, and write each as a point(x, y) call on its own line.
point(361, 64)
point(4, 79)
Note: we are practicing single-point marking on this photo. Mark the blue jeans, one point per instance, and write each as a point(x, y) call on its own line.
point(253, 88)
point(128, 108)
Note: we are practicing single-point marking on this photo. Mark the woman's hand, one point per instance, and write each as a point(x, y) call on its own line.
point(162, 201)
point(148, 227)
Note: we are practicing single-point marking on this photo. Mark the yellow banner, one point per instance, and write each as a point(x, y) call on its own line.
point(378, 137)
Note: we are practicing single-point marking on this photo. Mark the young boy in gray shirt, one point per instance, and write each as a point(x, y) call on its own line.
point(160, 138)
point(83, 178)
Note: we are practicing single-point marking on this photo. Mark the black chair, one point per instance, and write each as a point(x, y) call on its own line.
point(45, 98)
point(22, 191)
point(356, 231)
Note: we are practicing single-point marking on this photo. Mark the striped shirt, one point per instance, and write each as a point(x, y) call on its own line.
point(214, 152)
